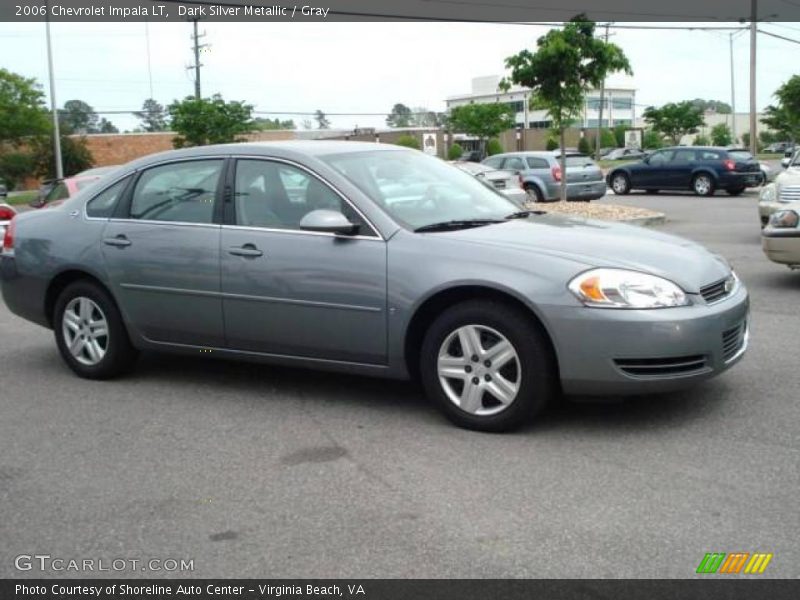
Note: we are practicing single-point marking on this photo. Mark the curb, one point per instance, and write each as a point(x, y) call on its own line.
point(658, 219)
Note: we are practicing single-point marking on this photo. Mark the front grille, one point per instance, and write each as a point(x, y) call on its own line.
point(661, 367)
point(715, 291)
point(733, 340)
point(790, 193)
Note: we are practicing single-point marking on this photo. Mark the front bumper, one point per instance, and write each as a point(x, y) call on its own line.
point(622, 352)
point(782, 246)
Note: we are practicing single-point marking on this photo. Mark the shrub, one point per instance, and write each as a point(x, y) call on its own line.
point(583, 146)
point(493, 146)
point(701, 140)
point(408, 141)
point(609, 140)
point(721, 135)
point(455, 152)
point(652, 140)
point(552, 144)
point(15, 167)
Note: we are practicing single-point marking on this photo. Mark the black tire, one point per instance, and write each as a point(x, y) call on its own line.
point(620, 183)
point(534, 193)
point(703, 184)
point(735, 191)
point(535, 380)
point(119, 355)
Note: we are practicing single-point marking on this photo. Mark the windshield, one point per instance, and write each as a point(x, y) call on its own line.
point(740, 155)
point(419, 190)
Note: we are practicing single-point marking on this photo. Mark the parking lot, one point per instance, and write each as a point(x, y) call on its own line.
point(250, 470)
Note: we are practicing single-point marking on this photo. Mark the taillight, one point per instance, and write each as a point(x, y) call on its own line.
point(8, 239)
point(556, 172)
point(6, 212)
point(729, 164)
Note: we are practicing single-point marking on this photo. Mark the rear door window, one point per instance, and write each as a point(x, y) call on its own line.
point(579, 161)
point(177, 192)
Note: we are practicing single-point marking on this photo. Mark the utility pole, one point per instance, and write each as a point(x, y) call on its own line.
point(197, 64)
point(733, 92)
point(753, 19)
point(53, 105)
point(600, 113)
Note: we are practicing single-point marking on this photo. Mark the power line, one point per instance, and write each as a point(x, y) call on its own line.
point(780, 37)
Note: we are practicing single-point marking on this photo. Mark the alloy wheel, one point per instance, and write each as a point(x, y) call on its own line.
point(619, 184)
point(85, 330)
point(479, 370)
point(702, 185)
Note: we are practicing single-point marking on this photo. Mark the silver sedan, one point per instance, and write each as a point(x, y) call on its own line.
point(369, 259)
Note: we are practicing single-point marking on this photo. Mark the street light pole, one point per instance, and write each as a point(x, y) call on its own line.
point(753, 18)
point(733, 92)
point(600, 113)
point(53, 106)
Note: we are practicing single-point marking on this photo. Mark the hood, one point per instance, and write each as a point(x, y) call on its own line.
point(789, 176)
point(604, 244)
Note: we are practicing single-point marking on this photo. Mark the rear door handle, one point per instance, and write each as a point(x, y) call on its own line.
point(248, 250)
point(119, 241)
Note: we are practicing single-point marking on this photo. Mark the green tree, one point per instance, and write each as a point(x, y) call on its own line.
point(493, 146)
point(22, 109)
point(106, 126)
point(400, 116)
point(209, 121)
point(701, 140)
point(409, 141)
point(619, 135)
point(568, 63)
point(423, 117)
point(608, 139)
point(551, 144)
point(482, 120)
point(78, 116)
point(455, 152)
point(721, 135)
point(322, 120)
point(15, 167)
point(785, 117)
point(153, 116)
point(652, 140)
point(717, 106)
point(674, 120)
point(271, 124)
point(75, 156)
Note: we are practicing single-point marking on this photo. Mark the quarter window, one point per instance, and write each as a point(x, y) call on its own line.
point(494, 162)
point(514, 164)
point(177, 192)
point(102, 206)
point(277, 196)
point(537, 163)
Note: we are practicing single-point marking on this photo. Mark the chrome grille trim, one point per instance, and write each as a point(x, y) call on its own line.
point(662, 367)
point(790, 193)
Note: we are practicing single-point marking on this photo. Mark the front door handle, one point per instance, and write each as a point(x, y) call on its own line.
point(119, 241)
point(248, 250)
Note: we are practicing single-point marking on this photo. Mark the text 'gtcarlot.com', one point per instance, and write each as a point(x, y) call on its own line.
point(46, 562)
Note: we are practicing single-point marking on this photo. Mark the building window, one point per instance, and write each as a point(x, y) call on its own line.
point(541, 124)
point(622, 103)
point(517, 106)
point(593, 102)
point(593, 123)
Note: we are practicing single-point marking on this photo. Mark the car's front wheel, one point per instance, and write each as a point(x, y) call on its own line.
point(89, 332)
point(620, 183)
point(703, 185)
point(488, 366)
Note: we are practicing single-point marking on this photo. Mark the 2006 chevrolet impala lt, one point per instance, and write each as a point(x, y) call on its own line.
point(370, 259)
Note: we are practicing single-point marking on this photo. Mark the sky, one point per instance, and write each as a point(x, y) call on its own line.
point(363, 67)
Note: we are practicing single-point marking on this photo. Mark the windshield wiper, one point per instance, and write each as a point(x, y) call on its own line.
point(523, 214)
point(456, 224)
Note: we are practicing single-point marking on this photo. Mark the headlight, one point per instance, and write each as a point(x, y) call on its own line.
point(768, 193)
point(784, 219)
point(619, 288)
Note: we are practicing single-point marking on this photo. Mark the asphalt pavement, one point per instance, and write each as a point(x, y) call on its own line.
point(253, 471)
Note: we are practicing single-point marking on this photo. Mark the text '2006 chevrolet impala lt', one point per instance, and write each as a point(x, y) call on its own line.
point(370, 259)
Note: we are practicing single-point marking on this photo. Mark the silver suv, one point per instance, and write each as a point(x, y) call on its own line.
point(541, 174)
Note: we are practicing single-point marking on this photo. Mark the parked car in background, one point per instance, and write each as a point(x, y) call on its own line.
point(780, 239)
point(606, 150)
point(54, 191)
point(507, 183)
point(471, 156)
point(625, 154)
point(702, 169)
point(7, 212)
point(778, 147)
point(541, 174)
point(785, 189)
point(304, 258)
point(789, 157)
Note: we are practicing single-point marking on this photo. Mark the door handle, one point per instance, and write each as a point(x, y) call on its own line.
point(119, 241)
point(248, 250)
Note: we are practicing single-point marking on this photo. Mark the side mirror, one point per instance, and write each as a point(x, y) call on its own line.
point(328, 221)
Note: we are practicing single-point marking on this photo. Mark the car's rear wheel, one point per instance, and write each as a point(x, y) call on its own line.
point(703, 185)
point(89, 332)
point(735, 191)
point(534, 193)
point(620, 183)
point(488, 366)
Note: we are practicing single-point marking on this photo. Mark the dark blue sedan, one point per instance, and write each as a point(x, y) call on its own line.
point(701, 169)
